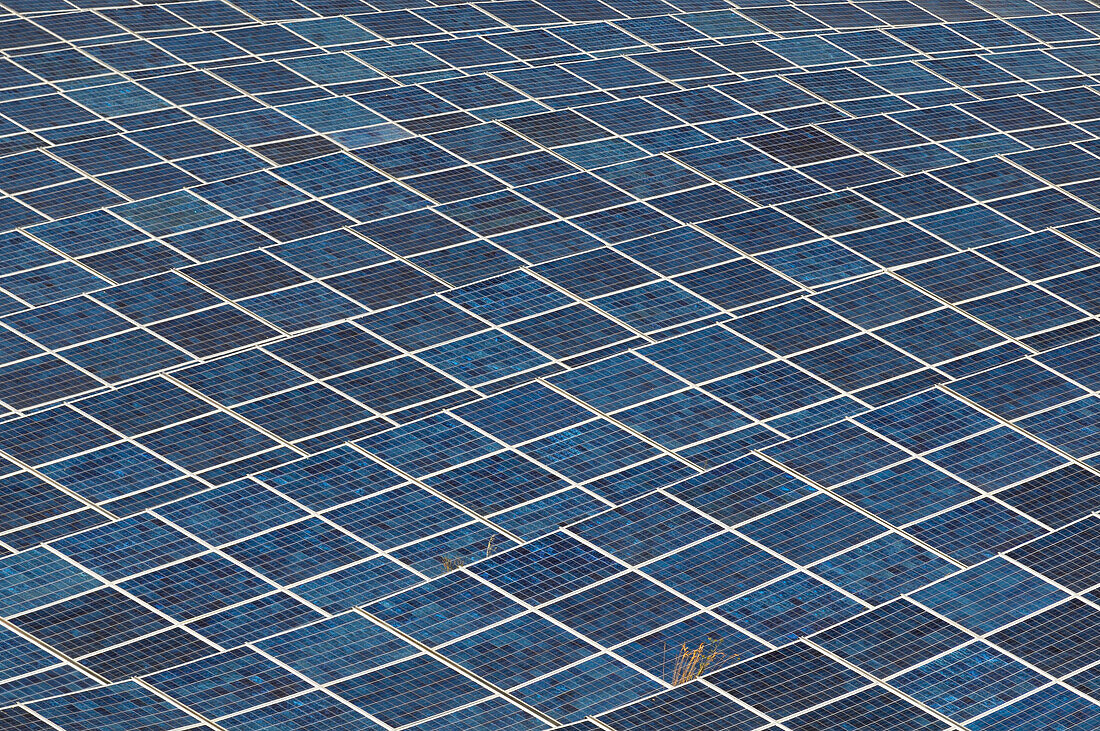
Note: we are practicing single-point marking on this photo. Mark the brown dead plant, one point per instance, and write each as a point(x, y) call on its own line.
point(691, 663)
point(452, 563)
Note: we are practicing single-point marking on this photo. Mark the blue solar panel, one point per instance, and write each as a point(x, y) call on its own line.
point(549, 363)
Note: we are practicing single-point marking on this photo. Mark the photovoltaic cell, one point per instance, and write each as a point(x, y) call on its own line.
point(472, 366)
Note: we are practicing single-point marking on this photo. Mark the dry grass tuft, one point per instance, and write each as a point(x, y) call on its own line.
point(452, 563)
point(691, 663)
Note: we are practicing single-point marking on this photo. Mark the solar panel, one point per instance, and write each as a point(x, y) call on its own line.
point(525, 364)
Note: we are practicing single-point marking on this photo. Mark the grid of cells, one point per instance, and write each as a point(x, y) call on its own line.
point(399, 364)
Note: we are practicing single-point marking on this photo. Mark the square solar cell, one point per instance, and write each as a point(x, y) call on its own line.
point(410, 690)
point(792, 327)
point(914, 195)
point(717, 568)
point(574, 195)
point(985, 676)
point(836, 454)
point(589, 450)
point(75, 627)
point(644, 529)
point(593, 686)
point(975, 531)
point(594, 273)
point(397, 516)
point(232, 674)
point(636, 115)
point(148, 542)
point(1056, 498)
point(129, 700)
point(507, 298)
point(495, 655)
point(874, 705)
point(196, 586)
point(683, 706)
point(838, 213)
point(812, 529)
point(786, 681)
point(939, 336)
point(556, 128)
point(989, 595)
point(346, 588)
point(1071, 619)
point(777, 187)
point(877, 642)
point(883, 569)
point(1049, 555)
point(871, 134)
point(302, 307)
point(737, 284)
point(789, 609)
